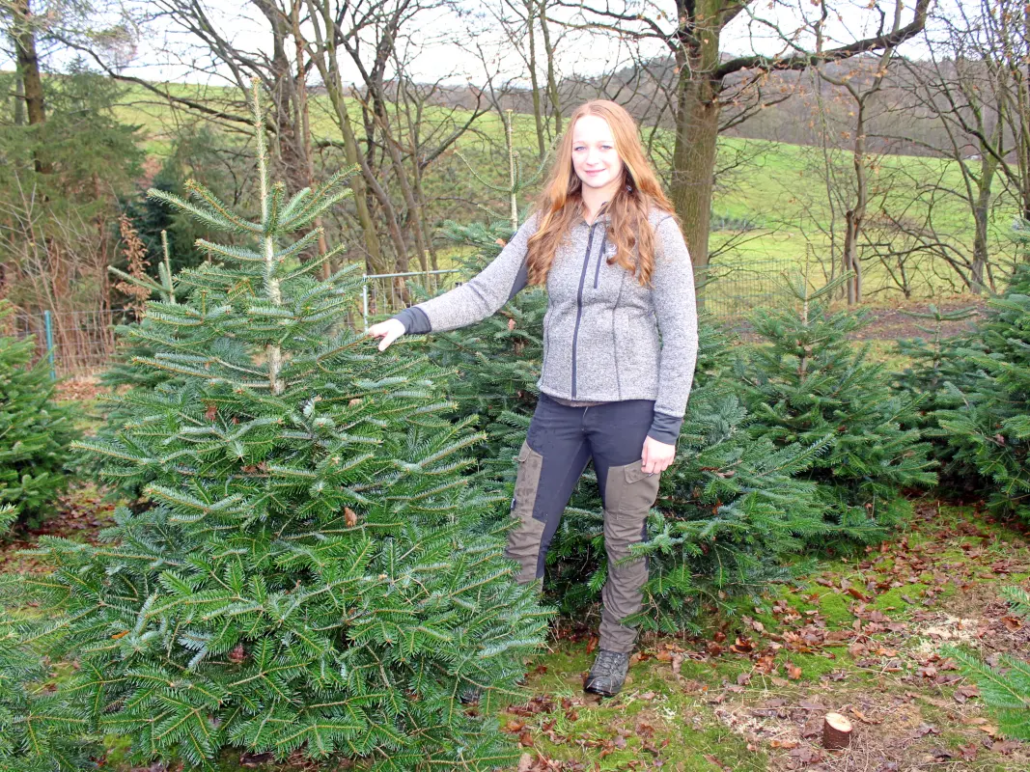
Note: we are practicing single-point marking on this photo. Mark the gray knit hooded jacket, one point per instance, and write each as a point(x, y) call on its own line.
point(601, 329)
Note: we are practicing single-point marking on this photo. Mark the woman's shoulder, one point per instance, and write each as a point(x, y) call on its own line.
point(532, 223)
point(658, 217)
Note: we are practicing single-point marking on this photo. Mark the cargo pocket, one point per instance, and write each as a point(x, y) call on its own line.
point(527, 482)
point(630, 492)
point(525, 536)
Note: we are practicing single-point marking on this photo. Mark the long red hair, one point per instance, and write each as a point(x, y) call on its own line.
point(561, 201)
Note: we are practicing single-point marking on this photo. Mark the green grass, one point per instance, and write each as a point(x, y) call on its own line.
point(780, 188)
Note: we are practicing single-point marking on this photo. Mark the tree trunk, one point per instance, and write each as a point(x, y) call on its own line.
point(538, 115)
point(304, 124)
point(27, 62)
point(693, 160)
point(697, 129)
point(19, 99)
point(856, 215)
point(981, 213)
point(552, 83)
point(328, 67)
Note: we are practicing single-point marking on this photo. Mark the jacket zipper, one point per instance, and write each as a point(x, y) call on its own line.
point(579, 306)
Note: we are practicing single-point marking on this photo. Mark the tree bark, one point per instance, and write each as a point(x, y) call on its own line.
point(538, 115)
point(697, 132)
point(28, 66)
point(856, 215)
point(552, 83)
point(19, 99)
point(981, 214)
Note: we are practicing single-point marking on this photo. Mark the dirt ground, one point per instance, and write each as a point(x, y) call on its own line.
point(895, 321)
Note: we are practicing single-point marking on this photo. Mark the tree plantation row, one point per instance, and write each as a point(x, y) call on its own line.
point(307, 557)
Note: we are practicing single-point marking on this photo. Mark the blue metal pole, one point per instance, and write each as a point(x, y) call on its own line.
point(50, 344)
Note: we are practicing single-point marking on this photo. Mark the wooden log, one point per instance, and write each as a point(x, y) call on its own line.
point(836, 732)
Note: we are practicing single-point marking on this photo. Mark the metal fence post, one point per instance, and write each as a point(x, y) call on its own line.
point(364, 301)
point(50, 344)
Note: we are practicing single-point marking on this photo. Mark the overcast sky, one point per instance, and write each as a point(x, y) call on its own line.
point(444, 46)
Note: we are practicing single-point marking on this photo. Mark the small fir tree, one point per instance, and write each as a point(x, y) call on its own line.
point(35, 432)
point(734, 513)
point(39, 731)
point(989, 427)
point(807, 382)
point(315, 574)
point(1005, 687)
point(938, 375)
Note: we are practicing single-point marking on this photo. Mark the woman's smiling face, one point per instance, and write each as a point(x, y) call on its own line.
point(594, 158)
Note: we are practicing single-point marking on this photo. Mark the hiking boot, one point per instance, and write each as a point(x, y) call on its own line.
point(608, 673)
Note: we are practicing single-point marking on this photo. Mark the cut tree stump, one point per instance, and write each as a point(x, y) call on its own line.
point(836, 732)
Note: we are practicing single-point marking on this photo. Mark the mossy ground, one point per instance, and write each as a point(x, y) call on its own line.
point(862, 636)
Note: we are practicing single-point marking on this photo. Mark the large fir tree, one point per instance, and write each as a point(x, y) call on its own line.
point(315, 573)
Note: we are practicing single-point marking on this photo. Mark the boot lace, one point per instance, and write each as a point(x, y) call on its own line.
point(609, 662)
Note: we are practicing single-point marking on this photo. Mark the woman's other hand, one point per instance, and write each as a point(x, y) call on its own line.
point(389, 331)
point(656, 456)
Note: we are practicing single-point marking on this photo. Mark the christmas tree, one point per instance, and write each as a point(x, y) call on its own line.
point(129, 378)
point(314, 574)
point(35, 432)
point(1005, 687)
point(989, 427)
point(807, 382)
point(733, 513)
point(938, 375)
point(39, 731)
point(496, 362)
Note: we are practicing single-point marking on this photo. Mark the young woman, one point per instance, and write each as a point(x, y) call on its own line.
point(606, 244)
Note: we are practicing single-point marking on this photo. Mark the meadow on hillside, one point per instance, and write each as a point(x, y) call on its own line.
point(770, 209)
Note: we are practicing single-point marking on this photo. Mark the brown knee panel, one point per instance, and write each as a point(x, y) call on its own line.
point(524, 538)
point(629, 494)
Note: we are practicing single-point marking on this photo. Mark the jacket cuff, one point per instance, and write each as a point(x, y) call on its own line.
point(414, 320)
point(665, 428)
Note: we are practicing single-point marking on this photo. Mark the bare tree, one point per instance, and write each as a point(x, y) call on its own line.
point(521, 22)
point(396, 143)
point(973, 87)
point(706, 85)
point(862, 91)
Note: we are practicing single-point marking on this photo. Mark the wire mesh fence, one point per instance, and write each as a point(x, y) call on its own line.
point(82, 343)
point(733, 291)
point(385, 294)
point(77, 343)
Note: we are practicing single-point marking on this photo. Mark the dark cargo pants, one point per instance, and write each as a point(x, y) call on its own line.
point(560, 443)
